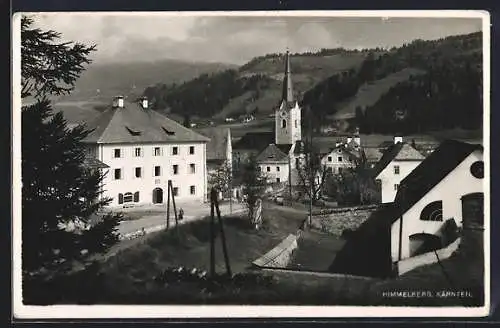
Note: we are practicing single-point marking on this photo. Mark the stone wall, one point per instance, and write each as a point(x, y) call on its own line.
point(279, 256)
point(334, 221)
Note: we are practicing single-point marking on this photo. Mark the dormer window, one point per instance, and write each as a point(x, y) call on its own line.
point(168, 132)
point(133, 132)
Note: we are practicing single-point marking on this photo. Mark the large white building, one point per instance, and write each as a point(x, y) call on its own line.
point(433, 194)
point(396, 163)
point(144, 150)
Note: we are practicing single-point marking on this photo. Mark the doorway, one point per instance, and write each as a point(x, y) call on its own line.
point(157, 196)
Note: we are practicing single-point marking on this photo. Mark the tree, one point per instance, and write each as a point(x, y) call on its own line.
point(48, 67)
point(61, 195)
point(221, 178)
point(254, 184)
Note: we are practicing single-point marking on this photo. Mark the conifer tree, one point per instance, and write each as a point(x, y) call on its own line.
point(61, 195)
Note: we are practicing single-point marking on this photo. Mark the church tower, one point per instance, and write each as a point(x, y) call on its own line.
point(288, 114)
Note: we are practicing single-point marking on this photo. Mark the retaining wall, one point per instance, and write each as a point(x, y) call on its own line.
point(334, 221)
point(279, 256)
point(414, 262)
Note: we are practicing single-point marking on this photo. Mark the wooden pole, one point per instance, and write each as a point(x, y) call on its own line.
point(168, 204)
point(290, 178)
point(212, 237)
point(173, 202)
point(223, 238)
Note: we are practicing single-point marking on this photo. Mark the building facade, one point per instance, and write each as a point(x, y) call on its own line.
point(145, 150)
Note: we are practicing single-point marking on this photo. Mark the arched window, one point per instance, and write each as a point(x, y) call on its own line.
point(432, 212)
point(283, 123)
point(120, 198)
point(127, 198)
point(136, 197)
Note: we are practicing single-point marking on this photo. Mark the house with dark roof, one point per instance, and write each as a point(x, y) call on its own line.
point(144, 150)
point(396, 163)
point(432, 203)
point(342, 157)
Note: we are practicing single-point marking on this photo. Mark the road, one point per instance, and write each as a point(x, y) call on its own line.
point(157, 221)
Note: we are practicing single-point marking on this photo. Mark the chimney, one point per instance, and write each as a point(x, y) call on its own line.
point(118, 102)
point(144, 102)
point(357, 140)
point(398, 139)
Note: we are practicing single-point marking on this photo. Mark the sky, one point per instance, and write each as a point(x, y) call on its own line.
point(236, 40)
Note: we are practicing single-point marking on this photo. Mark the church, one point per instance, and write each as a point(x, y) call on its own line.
point(277, 153)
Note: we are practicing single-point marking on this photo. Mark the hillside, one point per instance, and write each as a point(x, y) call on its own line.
point(103, 81)
point(254, 88)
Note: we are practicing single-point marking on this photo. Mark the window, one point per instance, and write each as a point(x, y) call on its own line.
point(432, 212)
point(191, 150)
point(118, 174)
point(192, 168)
point(157, 171)
point(138, 172)
point(340, 170)
point(396, 169)
point(176, 169)
point(295, 123)
point(176, 191)
point(283, 124)
point(128, 197)
point(330, 158)
point(175, 150)
point(120, 198)
point(157, 151)
point(396, 187)
point(477, 169)
point(278, 180)
point(340, 159)
point(117, 153)
point(268, 169)
point(297, 162)
point(192, 190)
point(277, 168)
point(136, 197)
point(138, 152)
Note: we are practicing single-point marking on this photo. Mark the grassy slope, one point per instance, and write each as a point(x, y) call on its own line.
point(369, 94)
point(306, 72)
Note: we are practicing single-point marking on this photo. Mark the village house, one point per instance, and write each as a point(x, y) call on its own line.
point(144, 150)
point(396, 163)
point(431, 206)
point(343, 156)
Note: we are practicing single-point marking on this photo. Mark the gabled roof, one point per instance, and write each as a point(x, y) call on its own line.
point(254, 141)
point(217, 146)
point(372, 154)
point(431, 171)
point(134, 124)
point(397, 152)
point(94, 163)
point(272, 154)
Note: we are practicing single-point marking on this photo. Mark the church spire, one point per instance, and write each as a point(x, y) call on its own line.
point(287, 95)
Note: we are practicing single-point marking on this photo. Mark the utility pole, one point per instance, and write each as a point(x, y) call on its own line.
point(311, 172)
point(214, 207)
point(290, 178)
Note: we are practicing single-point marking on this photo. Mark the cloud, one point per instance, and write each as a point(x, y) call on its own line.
point(233, 39)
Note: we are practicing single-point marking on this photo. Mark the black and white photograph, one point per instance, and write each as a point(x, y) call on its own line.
point(267, 164)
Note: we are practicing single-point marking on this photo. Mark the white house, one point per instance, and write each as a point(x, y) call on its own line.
point(274, 163)
point(144, 150)
point(396, 163)
point(434, 194)
point(342, 157)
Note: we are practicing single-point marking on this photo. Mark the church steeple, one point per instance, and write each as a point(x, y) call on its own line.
point(287, 94)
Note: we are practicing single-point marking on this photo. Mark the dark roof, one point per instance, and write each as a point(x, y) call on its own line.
point(94, 163)
point(217, 146)
point(400, 151)
point(133, 124)
point(272, 154)
point(372, 154)
point(431, 171)
point(255, 141)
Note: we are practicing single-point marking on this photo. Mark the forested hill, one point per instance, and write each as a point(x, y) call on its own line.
point(253, 88)
point(435, 85)
point(417, 86)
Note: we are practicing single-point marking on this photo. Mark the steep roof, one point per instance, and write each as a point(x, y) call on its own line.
point(255, 141)
point(287, 92)
point(272, 154)
point(133, 124)
point(431, 171)
point(397, 152)
point(217, 146)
